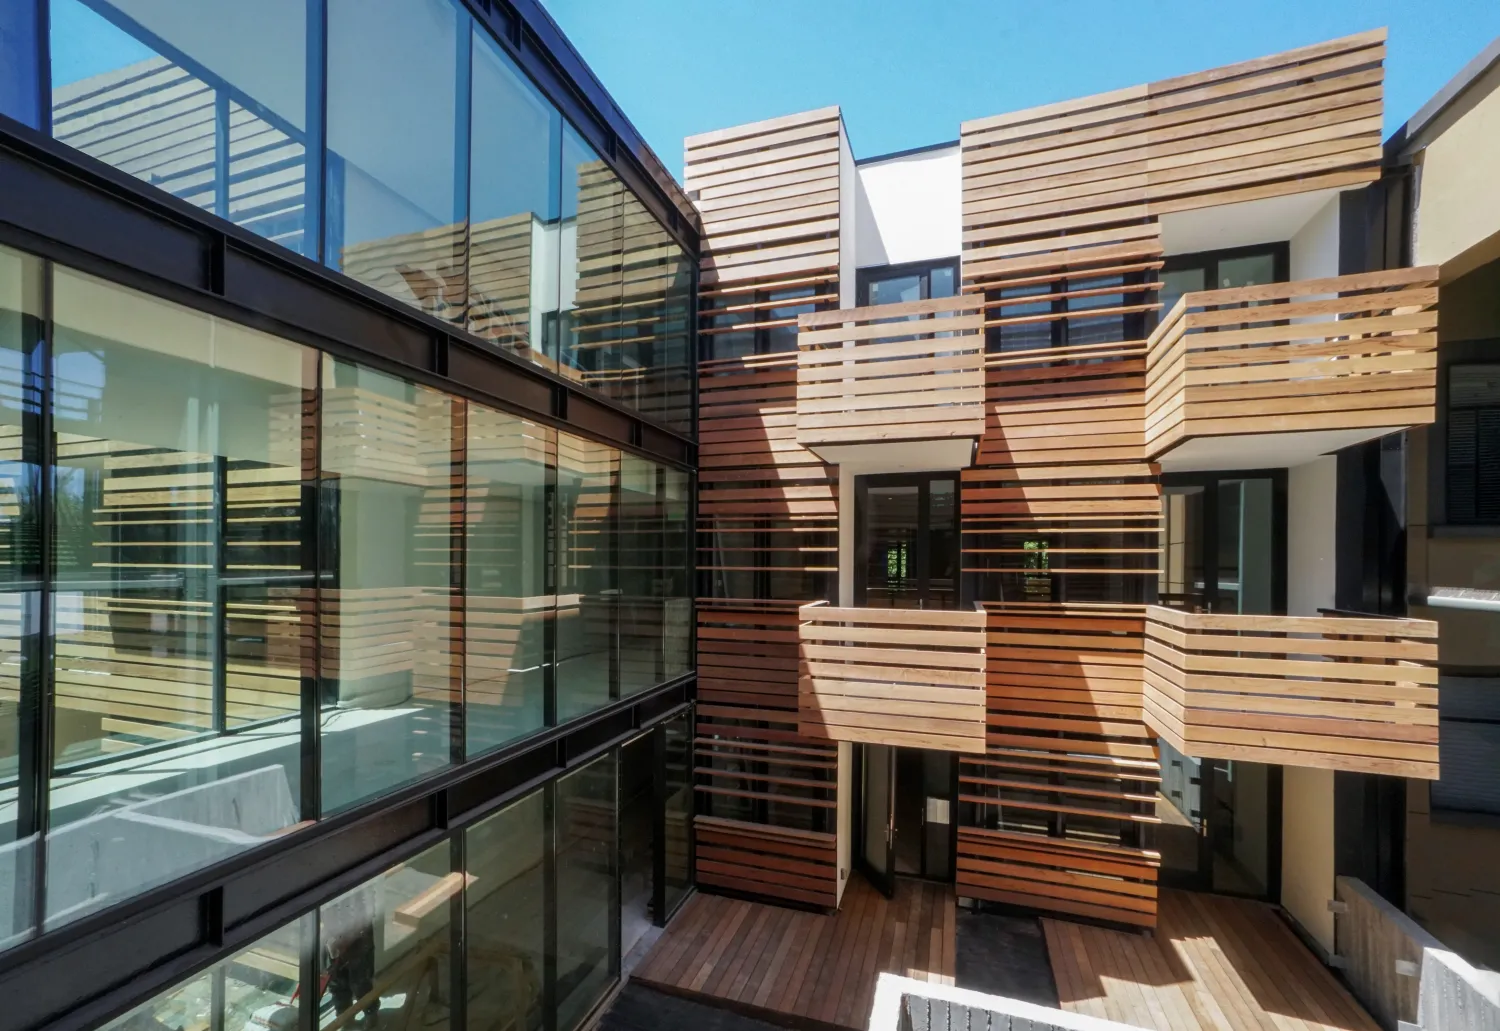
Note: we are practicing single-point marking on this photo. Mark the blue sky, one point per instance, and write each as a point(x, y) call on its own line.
point(907, 72)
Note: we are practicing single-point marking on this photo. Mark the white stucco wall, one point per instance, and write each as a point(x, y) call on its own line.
point(1315, 247)
point(908, 208)
point(1311, 534)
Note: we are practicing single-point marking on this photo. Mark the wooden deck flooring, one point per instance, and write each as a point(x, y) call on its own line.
point(803, 968)
point(1215, 964)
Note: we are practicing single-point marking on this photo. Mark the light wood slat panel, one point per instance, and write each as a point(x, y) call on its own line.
point(1339, 353)
point(913, 678)
point(898, 372)
point(1321, 691)
point(1053, 815)
point(772, 862)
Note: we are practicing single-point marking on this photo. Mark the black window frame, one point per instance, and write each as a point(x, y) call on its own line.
point(1466, 353)
point(1281, 258)
point(863, 277)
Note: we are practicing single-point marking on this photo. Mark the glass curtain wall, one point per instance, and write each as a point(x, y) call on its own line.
point(280, 585)
point(394, 140)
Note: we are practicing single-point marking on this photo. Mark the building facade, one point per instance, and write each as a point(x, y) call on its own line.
point(348, 483)
point(438, 543)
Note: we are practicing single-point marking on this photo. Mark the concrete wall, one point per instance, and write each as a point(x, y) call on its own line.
point(908, 208)
point(1307, 850)
point(1457, 221)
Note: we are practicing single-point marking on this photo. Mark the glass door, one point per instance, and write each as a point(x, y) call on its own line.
point(1224, 542)
point(877, 816)
point(906, 541)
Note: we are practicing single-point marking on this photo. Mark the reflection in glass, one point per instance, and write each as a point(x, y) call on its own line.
point(1176, 282)
point(20, 334)
point(390, 685)
point(19, 78)
point(386, 948)
point(515, 180)
point(182, 593)
point(679, 810)
point(1182, 581)
point(506, 914)
point(637, 837)
point(591, 276)
point(207, 101)
point(588, 505)
point(254, 990)
point(395, 216)
point(587, 956)
point(656, 610)
point(507, 604)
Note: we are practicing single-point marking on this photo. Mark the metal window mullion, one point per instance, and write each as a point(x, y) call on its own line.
point(218, 625)
point(315, 149)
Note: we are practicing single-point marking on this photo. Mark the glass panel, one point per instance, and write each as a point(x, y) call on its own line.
point(1180, 583)
point(19, 77)
point(386, 946)
point(942, 545)
point(254, 990)
point(593, 245)
point(1473, 443)
point(20, 575)
point(941, 282)
point(587, 956)
point(389, 679)
point(507, 604)
point(207, 101)
point(891, 575)
point(1176, 282)
point(896, 290)
point(655, 608)
point(877, 805)
point(506, 916)
point(514, 193)
point(1246, 511)
point(1239, 827)
point(395, 216)
point(1251, 270)
point(588, 500)
point(183, 590)
point(637, 834)
point(679, 809)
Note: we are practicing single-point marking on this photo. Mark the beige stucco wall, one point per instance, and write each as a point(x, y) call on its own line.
point(1453, 879)
point(1307, 850)
point(1458, 206)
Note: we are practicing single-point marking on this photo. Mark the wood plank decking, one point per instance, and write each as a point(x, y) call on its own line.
point(1215, 964)
point(807, 969)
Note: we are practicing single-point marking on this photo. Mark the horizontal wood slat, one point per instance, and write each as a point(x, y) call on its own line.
point(1348, 352)
point(758, 859)
point(1055, 876)
point(894, 372)
point(1320, 691)
point(907, 677)
point(747, 653)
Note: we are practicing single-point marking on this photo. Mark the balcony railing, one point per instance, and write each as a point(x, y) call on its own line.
point(910, 677)
point(891, 373)
point(1355, 694)
point(1351, 356)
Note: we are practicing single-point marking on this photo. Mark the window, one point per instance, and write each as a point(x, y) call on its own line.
point(506, 906)
point(1222, 270)
point(1473, 436)
point(181, 608)
point(1084, 309)
point(588, 957)
point(588, 489)
point(1469, 742)
point(19, 77)
point(397, 208)
point(207, 101)
point(388, 607)
point(897, 284)
point(515, 182)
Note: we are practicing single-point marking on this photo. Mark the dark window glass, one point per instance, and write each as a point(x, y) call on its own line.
point(253, 990)
point(396, 219)
point(21, 292)
point(637, 839)
point(1473, 432)
point(207, 101)
point(19, 76)
point(386, 947)
point(587, 893)
point(515, 180)
point(679, 809)
point(506, 905)
point(183, 597)
point(507, 603)
point(388, 611)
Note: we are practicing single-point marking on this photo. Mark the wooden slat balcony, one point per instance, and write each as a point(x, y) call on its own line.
point(887, 386)
point(910, 677)
point(1322, 364)
point(1330, 692)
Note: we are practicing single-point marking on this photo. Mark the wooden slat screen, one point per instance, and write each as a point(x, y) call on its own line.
point(891, 372)
point(1054, 814)
point(1356, 694)
point(1348, 352)
point(907, 677)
